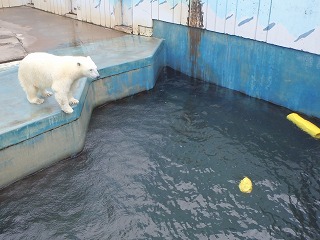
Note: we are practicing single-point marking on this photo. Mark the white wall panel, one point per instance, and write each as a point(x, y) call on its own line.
point(221, 15)
point(128, 6)
point(44, 5)
point(211, 15)
point(108, 11)
point(112, 7)
point(296, 25)
point(55, 6)
point(50, 5)
point(185, 12)
point(81, 12)
point(61, 6)
point(105, 13)
point(176, 8)
point(155, 9)
point(88, 4)
point(263, 23)
point(246, 22)
point(37, 4)
point(307, 35)
point(282, 33)
point(14, 3)
point(142, 17)
point(230, 17)
point(66, 7)
point(204, 13)
point(310, 43)
point(5, 3)
point(95, 11)
point(118, 12)
point(166, 10)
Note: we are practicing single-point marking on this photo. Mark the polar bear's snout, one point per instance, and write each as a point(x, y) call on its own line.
point(95, 74)
point(92, 67)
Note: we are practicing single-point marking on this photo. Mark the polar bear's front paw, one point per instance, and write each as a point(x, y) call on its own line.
point(73, 101)
point(67, 109)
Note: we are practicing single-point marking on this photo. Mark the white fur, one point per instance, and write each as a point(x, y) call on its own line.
point(38, 71)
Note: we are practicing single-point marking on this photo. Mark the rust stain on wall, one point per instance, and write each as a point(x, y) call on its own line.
point(194, 44)
point(195, 18)
point(194, 41)
point(195, 22)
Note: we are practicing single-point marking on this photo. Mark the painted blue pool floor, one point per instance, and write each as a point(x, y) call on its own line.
point(21, 120)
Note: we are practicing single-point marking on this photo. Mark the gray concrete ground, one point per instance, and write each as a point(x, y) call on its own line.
point(25, 29)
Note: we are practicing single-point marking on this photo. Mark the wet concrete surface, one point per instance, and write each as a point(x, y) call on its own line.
point(25, 29)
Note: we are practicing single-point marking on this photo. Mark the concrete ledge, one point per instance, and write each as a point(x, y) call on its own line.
point(33, 137)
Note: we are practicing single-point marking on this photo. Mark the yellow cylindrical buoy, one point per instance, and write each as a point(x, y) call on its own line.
point(245, 185)
point(305, 125)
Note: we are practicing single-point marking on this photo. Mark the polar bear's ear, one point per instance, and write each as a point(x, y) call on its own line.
point(79, 64)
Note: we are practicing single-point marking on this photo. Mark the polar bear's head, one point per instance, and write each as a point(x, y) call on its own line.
point(87, 67)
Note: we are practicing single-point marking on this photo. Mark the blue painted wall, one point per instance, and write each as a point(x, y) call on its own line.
point(283, 76)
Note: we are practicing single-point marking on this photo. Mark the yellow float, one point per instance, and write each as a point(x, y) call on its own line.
point(305, 125)
point(245, 185)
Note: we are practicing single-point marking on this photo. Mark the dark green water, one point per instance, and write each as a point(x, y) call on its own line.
point(166, 164)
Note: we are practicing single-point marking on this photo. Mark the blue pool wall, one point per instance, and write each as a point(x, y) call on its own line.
point(283, 76)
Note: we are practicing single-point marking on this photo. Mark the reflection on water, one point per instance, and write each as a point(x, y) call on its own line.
point(167, 163)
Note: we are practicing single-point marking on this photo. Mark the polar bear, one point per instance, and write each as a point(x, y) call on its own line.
point(38, 71)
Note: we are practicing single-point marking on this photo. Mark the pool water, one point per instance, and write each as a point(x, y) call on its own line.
point(167, 163)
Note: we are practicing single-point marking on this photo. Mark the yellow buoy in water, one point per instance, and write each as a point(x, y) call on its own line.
point(245, 185)
point(305, 125)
